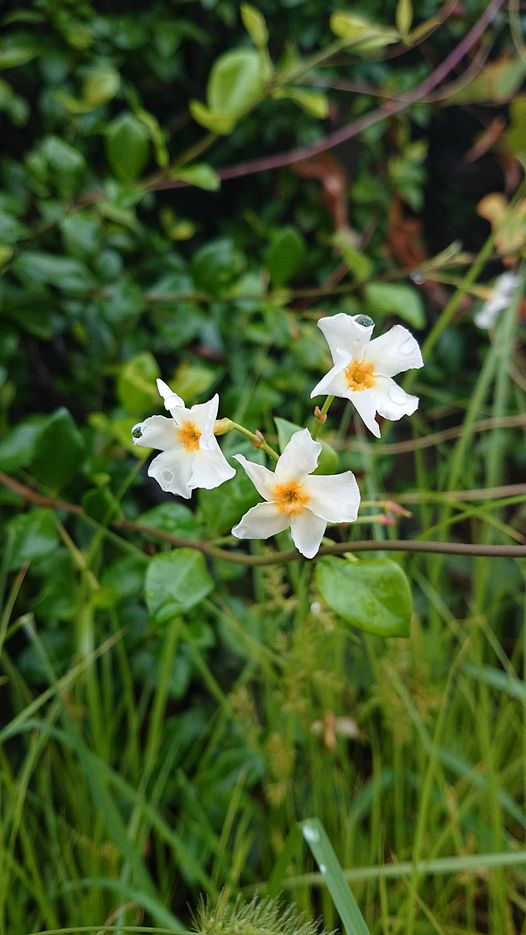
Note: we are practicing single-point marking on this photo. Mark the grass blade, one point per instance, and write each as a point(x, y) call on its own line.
point(324, 855)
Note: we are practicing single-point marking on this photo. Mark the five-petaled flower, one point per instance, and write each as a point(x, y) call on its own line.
point(296, 498)
point(190, 456)
point(363, 369)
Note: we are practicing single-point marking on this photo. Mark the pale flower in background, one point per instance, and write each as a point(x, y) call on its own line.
point(500, 297)
point(363, 369)
point(297, 499)
point(190, 455)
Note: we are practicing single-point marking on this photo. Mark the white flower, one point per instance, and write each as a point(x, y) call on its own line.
point(363, 369)
point(500, 297)
point(190, 456)
point(296, 499)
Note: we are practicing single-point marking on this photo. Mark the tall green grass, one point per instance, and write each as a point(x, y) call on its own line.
point(121, 806)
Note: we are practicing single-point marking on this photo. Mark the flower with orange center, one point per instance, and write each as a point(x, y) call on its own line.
point(363, 369)
point(189, 435)
point(359, 376)
point(190, 455)
point(295, 498)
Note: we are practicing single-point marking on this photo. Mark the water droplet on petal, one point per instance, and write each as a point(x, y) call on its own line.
point(364, 321)
point(396, 395)
point(167, 475)
point(137, 431)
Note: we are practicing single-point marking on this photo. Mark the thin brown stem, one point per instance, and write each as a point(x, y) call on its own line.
point(273, 558)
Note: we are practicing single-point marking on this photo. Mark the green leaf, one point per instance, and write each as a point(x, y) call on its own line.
point(65, 273)
point(217, 265)
point(101, 504)
point(323, 852)
point(372, 595)
point(285, 255)
point(136, 388)
point(328, 460)
point(18, 447)
point(201, 175)
point(18, 53)
point(175, 582)
point(216, 123)
point(255, 25)
point(315, 103)
point(175, 518)
point(34, 535)
point(192, 380)
point(59, 451)
point(127, 147)
point(395, 299)
point(358, 31)
point(235, 83)
point(404, 17)
point(101, 85)
point(360, 265)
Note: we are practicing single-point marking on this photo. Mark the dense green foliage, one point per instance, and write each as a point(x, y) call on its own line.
point(167, 716)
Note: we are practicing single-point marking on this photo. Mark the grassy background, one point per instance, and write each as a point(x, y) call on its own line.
point(143, 766)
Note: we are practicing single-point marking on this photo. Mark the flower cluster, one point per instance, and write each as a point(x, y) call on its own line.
point(293, 496)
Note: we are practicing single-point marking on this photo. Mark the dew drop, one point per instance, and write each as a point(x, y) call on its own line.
point(310, 834)
point(315, 607)
point(323, 868)
point(364, 321)
point(137, 431)
point(396, 395)
point(417, 278)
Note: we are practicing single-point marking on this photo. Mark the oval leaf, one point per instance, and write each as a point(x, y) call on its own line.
point(176, 582)
point(372, 595)
point(127, 147)
point(235, 83)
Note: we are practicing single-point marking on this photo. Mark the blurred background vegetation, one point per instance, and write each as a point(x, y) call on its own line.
point(146, 758)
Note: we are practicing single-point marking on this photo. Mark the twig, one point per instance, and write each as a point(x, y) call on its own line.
point(280, 160)
point(436, 438)
point(275, 558)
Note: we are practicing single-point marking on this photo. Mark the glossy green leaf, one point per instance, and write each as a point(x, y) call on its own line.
point(127, 147)
point(33, 535)
point(201, 175)
point(255, 25)
point(175, 582)
point(59, 451)
point(235, 83)
point(285, 255)
point(315, 103)
point(136, 388)
point(101, 85)
point(372, 595)
point(17, 448)
point(216, 123)
point(356, 30)
point(402, 301)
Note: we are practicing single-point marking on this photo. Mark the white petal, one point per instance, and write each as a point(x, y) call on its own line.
point(156, 432)
point(392, 402)
point(343, 332)
point(365, 402)
point(171, 399)
point(299, 457)
point(204, 416)
point(394, 352)
point(307, 532)
point(334, 382)
point(334, 498)
point(172, 470)
point(262, 521)
point(210, 468)
point(264, 480)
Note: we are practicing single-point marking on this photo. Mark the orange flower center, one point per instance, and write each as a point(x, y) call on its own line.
point(290, 498)
point(189, 435)
point(360, 375)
